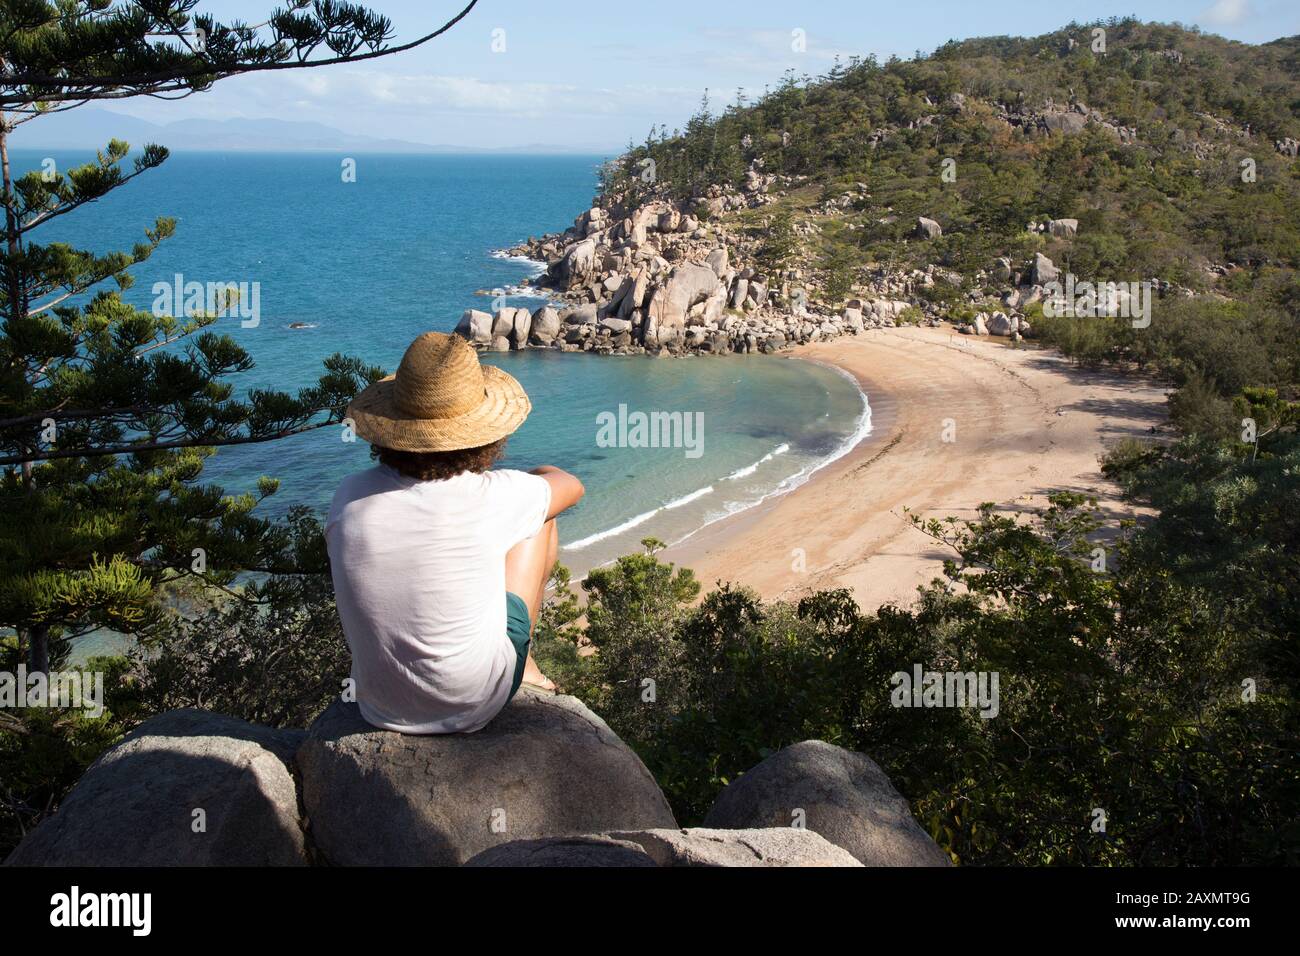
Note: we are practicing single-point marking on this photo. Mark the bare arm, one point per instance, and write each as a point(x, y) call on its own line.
point(566, 489)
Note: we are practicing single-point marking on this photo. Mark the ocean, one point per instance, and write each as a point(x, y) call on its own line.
point(364, 266)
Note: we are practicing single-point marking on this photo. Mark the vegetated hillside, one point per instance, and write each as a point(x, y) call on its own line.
point(1142, 143)
point(1160, 691)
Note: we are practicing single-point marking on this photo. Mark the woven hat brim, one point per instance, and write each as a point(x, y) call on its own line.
point(378, 420)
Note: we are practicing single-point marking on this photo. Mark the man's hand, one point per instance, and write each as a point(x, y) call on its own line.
point(566, 489)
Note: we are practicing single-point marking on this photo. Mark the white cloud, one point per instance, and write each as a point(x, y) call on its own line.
point(406, 92)
point(1227, 12)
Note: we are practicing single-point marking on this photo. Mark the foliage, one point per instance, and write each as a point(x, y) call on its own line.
point(840, 265)
point(1153, 680)
point(71, 51)
point(44, 750)
point(781, 243)
point(1119, 690)
point(1167, 204)
point(107, 412)
point(272, 654)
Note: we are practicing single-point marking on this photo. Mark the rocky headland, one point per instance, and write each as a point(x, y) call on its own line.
point(664, 276)
point(655, 278)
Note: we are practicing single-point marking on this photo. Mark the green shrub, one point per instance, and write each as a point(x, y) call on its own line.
point(1103, 676)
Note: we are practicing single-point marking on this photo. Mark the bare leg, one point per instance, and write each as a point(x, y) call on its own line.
point(528, 568)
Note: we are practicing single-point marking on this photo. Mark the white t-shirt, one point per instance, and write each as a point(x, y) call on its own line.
point(419, 576)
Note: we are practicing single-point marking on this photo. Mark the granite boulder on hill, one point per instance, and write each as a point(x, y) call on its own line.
point(546, 783)
point(546, 766)
point(843, 796)
point(185, 788)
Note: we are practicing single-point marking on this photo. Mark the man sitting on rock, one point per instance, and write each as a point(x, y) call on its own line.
point(440, 565)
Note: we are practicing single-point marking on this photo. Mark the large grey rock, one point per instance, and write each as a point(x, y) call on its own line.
point(650, 215)
point(503, 322)
point(578, 264)
point(613, 287)
point(1044, 270)
point(594, 850)
point(715, 305)
point(778, 846)
point(717, 260)
point(842, 796)
point(546, 766)
point(475, 326)
point(1000, 323)
point(521, 326)
point(580, 315)
point(1063, 228)
point(928, 228)
point(621, 292)
point(1064, 122)
point(739, 293)
point(635, 296)
point(545, 326)
point(139, 803)
point(688, 284)
point(772, 846)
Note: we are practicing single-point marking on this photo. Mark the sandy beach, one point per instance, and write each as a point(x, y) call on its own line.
point(1022, 423)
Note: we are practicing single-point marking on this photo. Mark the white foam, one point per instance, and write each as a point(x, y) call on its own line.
point(521, 292)
point(535, 265)
point(638, 520)
point(750, 469)
point(862, 428)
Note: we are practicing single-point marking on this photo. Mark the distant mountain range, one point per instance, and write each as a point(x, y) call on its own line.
point(87, 128)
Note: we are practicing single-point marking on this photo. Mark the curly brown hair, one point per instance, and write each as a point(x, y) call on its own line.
point(439, 465)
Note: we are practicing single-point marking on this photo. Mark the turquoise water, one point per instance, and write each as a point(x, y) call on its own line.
point(368, 265)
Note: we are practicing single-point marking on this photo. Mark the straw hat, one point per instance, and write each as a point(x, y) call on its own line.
point(441, 399)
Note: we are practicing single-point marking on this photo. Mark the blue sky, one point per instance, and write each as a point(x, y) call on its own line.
point(596, 73)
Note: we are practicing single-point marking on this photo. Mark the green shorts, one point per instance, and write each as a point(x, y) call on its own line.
point(518, 626)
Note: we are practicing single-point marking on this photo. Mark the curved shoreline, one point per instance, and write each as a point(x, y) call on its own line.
point(861, 429)
point(1025, 424)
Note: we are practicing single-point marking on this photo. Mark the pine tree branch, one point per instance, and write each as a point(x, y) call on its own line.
point(42, 218)
point(171, 80)
point(32, 113)
point(134, 449)
point(58, 413)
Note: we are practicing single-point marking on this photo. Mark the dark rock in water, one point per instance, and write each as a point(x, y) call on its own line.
point(142, 801)
point(546, 766)
point(839, 794)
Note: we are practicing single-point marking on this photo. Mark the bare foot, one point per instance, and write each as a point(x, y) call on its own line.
point(533, 675)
